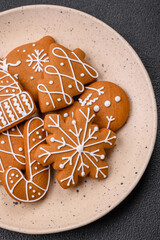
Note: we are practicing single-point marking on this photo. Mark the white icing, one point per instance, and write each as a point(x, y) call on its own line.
point(24, 50)
point(50, 82)
point(47, 103)
point(117, 99)
point(65, 115)
point(2, 142)
point(62, 64)
point(37, 59)
point(31, 77)
point(59, 99)
point(12, 174)
point(96, 108)
point(79, 142)
point(20, 149)
point(33, 139)
point(37, 132)
point(82, 74)
point(110, 119)
point(4, 65)
point(70, 86)
point(33, 44)
point(40, 137)
point(107, 103)
point(17, 175)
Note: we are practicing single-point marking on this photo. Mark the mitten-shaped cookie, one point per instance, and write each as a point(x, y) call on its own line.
point(16, 105)
point(64, 77)
point(26, 63)
point(75, 147)
point(12, 149)
point(108, 101)
point(34, 185)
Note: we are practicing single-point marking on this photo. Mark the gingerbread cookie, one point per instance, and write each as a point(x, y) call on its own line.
point(26, 63)
point(109, 102)
point(75, 147)
point(12, 149)
point(35, 185)
point(16, 105)
point(64, 77)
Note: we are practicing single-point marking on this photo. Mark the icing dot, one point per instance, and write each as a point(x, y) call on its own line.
point(17, 175)
point(33, 44)
point(34, 191)
point(24, 50)
point(59, 99)
point(117, 99)
point(102, 157)
point(12, 181)
point(82, 74)
point(61, 166)
point(10, 178)
point(13, 129)
point(47, 103)
point(96, 108)
point(65, 115)
point(1, 81)
point(17, 50)
point(96, 128)
point(31, 77)
point(12, 174)
point(7, 91)
point(52, 139)
point(43, 130)
point(2, 142)
point(82, 174)
point(36, 168)
point(33, 139)
point(70, 86)
point(62, 64)
point(37, 133)
point(7, 81)
point(74, 122)
point(107, 103)
point(40, 137)
point(13, 90)
point(39, 193)
point(32, 196)
point(20, 149)
point(50, 82)
point(30, 187)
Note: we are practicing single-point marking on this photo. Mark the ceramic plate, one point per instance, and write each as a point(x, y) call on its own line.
point(116, 61)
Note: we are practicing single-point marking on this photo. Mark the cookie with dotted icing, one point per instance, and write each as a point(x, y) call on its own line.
point(109, 102)
point(65, 75)
point(34, 185)
point(16, 105)
point(12, 149)
point(75, 147)
point(26, 63)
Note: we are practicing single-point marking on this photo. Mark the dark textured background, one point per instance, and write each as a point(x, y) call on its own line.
point(138, 217)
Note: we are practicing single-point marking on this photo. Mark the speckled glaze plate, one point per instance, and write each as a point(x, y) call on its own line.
point(116, 61)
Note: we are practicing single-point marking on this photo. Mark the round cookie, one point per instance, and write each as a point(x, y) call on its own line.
point(109, 102)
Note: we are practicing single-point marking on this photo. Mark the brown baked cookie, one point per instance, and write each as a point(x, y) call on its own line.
point(12, 149)
point(65, 75)
point(75, 147)
point(34, 185)
point(109, 102)
point(26, 63)
point(16, 105)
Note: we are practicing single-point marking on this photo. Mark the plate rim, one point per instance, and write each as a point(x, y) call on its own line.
point(155, 122)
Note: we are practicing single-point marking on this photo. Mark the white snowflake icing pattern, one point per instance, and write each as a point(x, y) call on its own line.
point(79, 148)
point(37, 59)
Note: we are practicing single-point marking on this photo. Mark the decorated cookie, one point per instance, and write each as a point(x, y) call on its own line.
point(34, 185)
point(75, 147)
point(109, 102)
point(64, 77)
point(26, 63)
point(16, 105)
point(12, 149)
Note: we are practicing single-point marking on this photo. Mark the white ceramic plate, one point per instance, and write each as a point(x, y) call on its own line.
point(116, 61)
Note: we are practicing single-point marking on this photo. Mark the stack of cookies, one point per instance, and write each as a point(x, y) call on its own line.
point(69, 133)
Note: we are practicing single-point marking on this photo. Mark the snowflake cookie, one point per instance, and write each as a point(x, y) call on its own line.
point(26, 63)
point(12, 149)
point(16, 105)
point(34, 185)
point(64, 77)
point(75, 147)
point(108, 101)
